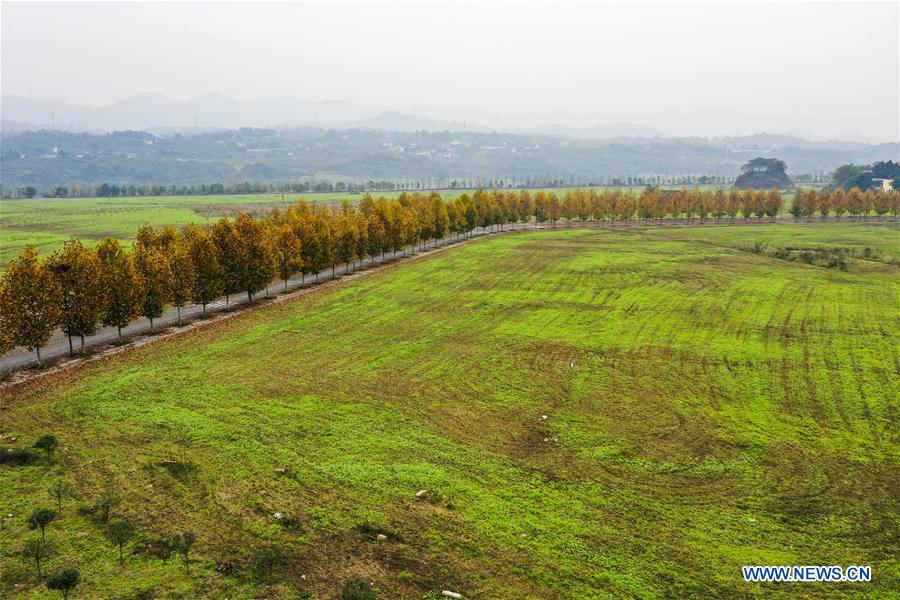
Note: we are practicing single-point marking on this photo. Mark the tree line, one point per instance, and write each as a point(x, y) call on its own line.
point(855, 203)
point(132, 190)
point(79, 288)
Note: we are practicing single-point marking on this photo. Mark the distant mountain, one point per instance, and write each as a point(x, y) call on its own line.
point(149, 111)
point(215, 112)
point(159, 113)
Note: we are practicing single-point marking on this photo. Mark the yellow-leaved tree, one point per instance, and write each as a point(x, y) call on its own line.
point(29, 303)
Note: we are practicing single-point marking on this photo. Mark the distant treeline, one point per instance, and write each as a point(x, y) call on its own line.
point(78, 288)
point(115, 190)
point(46, 159)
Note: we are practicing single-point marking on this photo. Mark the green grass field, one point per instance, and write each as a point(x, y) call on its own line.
point(49, 222)
point(707, 408)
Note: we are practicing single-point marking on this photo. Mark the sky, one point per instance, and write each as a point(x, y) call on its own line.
point(821, 69)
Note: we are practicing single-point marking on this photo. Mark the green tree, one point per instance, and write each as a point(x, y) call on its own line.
point(29, 311)
point(40, 518)
point(120, 533)
point(797, 204)
point(122, 285)
point(183, 543)
point(64, 581)
point(106, 502)
point(60, 490)
point(48, 443)
point(268, 559)
point(37, 551)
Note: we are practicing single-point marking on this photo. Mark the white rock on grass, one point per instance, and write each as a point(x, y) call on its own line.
point(450, 594)
point(421, 493)
point(380, 537)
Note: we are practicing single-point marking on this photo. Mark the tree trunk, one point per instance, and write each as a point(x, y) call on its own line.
point(71, 349)
point(204, 309)
point(151, 324)
point(37, 350)
point(178, 308)
point(119, 327)
point(285, 285)
point(249, 297)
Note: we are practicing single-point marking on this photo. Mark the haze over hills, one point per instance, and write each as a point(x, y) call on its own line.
point(283, 139)
point(163, 115)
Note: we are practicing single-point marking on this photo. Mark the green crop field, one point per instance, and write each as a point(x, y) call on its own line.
point(594, 413)
point(49, 222)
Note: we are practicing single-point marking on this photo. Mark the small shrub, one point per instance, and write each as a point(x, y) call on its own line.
point(159, 548)
point(107, 501)
point(48, 444)
point(40, 518)
point(60, 490)
point(183, 543)
point(179, 469)
point(290, 523)
point(120, 533)
point(268, 559)
point(357, 589)
point(64, 581)
point(37, 551)
point(226, 566)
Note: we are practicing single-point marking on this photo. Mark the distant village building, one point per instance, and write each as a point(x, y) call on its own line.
point(886, 185)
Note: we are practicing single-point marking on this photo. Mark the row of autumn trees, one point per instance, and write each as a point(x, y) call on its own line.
point(855, 202)
point(78, 288)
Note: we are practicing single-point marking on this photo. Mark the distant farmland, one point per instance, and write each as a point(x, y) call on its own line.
point(593, 413)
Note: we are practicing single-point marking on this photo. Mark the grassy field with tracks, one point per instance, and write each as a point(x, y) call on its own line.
point(593, 413)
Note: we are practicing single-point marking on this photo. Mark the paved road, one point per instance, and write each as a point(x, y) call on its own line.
point(59, 344)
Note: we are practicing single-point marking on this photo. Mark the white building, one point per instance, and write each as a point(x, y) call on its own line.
point(886, 185)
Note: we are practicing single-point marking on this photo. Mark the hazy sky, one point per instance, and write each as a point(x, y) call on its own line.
point(687, 68)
